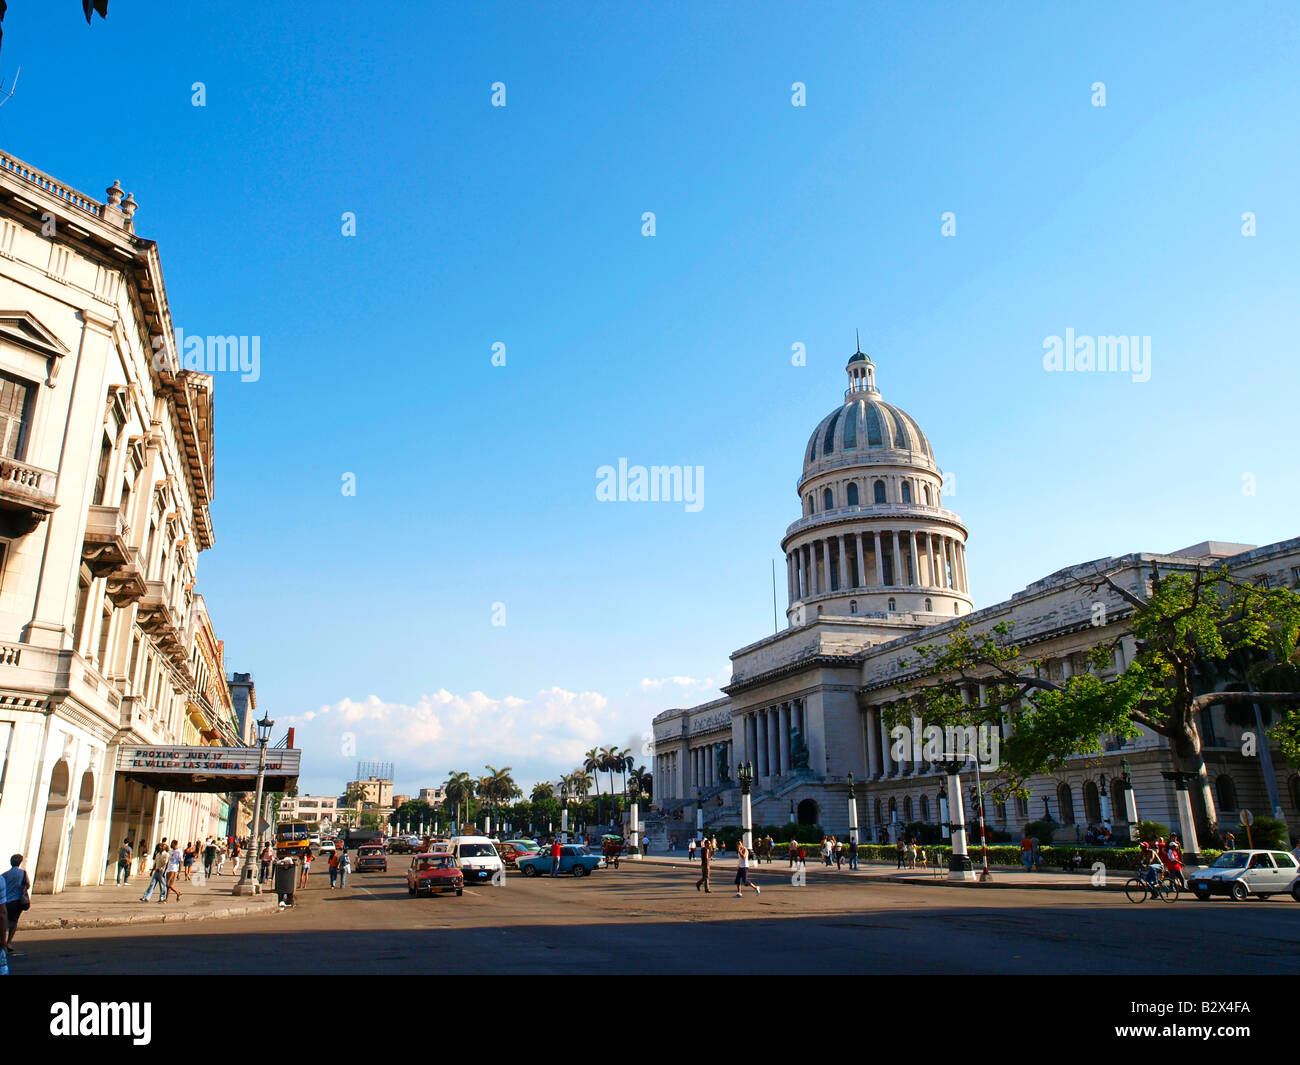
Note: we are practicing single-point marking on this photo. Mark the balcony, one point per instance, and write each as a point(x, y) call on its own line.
point(157, 617)
point(26, 496)
point(105, 547)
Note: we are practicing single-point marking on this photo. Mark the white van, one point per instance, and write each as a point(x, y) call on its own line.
point(478, 858)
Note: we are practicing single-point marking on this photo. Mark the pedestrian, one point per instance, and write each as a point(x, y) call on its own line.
point(803, 857)
point(221, 858)
point(1038, 853)
point(158, 875)
point(334, 868)
point(345, 867)
point(839, 856)
point(173, 870)
point(1230, 841)
point(306, 868)
point(555, 858)
point(268, 859)
point(852, 848)
point(124, 862)
point(209, 856)
point(143, 852)
point(18, 899)
point(704, 868)
point(770, 845)
point(187, 857)
point(902, 853)
point(690, 850)
point(792, 852)
point(826, 850)
point(1027, 853)
point(742, 871)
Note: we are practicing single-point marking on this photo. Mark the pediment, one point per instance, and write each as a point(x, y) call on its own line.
point(26, 330)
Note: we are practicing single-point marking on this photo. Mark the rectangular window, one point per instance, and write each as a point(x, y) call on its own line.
point(1295, 576)
point(105, 623)
point(15, 413)
point(101, 472)
point(78, 619)
point(1263, 581)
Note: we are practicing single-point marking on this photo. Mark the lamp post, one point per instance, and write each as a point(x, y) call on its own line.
point(699, 813)
point(634, 822)
point(959, 864)
point(791, 811)
point(1104, 796)
point(1130, 800)
point(564, 815)
point(853, 814)
point(248, 884)
point(745, 771)
point(985, 875)
point(943, 808)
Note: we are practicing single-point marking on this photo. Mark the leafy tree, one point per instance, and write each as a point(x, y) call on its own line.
point(593, 762)
point(1187, 626)
point(542, 791)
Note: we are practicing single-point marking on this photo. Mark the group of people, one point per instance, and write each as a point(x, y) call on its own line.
point(911, 855)
point(212, 853)
point(707, 848)
point(165, 870)
point(1166, 856)
point(836, 852)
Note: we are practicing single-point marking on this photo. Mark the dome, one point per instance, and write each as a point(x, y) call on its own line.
point(865, 424)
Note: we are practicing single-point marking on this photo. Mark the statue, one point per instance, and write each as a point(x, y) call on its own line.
point(720, 761)
point(798, 750)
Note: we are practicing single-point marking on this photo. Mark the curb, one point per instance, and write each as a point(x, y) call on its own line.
point(167, 918)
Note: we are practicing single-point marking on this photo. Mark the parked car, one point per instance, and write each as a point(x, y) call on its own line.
point(477, 856)
point(573, 859)
point(372, 858)
point(529, 845)
point(511, 851)
point(397, 845)
point(1240, 874)
point(430, 873)
point(326, 848)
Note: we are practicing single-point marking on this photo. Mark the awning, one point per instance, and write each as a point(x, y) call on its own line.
point(208, 769)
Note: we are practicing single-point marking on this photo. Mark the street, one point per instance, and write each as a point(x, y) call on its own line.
point(650, 919)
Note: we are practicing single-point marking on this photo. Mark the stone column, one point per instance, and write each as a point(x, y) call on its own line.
point(888, 767)
point(784, 734)
point(929, 560)
point(898, 569)
point(880, 562)
point(873, 742)
point(760, 736)
point(965, 579)
point(862, 568)
point(774, 741)
point(812, 568)
point(789, 579)
point(916, 560)
point(839, 551)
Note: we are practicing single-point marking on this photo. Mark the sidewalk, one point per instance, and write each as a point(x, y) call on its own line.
point(109, 904)
point(1004, 876)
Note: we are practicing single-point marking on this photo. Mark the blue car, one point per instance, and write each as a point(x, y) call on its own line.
point(575, 860)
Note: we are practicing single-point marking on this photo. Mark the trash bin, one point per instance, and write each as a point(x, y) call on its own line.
point(286, 880)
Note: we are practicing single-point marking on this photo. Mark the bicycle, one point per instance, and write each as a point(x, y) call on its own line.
point(1140, 886)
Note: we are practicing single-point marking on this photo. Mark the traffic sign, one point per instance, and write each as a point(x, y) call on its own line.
point(1247, 818)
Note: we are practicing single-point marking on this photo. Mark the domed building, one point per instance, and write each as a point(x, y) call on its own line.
point(875, 566)
point(874, 539)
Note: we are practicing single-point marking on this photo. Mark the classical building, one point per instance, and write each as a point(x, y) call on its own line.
point(318, 809)
point(876, 565)
point(110, 674)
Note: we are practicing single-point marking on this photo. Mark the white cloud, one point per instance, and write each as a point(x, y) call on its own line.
point(538, 737)
point(654, 684)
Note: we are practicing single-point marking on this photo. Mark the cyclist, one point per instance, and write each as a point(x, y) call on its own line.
point(1148, 864)
point(1172, 860)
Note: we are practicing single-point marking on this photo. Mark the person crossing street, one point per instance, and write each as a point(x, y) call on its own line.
point(706, 856)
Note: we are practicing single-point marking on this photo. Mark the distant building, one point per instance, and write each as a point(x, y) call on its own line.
point(433, 796)
point(317, 809)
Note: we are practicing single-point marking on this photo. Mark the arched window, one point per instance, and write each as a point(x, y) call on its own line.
point(929, 499)
point(828, 499)
point(907, 810)
point(891, 604)
point(929, 608)
point(925, 808)
point(853, 495)
point(878, 491)
point(1225, 790)
point(1065, 801)
point(1091, 802)
point(907, 491)
point(893, 809)
point(1022, 806)
point(1000, 811)
point(811, 508)
point(853, 606)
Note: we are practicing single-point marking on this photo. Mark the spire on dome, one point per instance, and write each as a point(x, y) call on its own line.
point(862, 373)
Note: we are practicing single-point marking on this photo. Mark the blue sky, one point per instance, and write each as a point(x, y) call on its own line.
point(371, 615)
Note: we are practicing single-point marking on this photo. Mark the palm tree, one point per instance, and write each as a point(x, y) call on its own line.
point(542, 791)
point(580, 783)
point(459, 789)
point(640, 781)
point(591, 763)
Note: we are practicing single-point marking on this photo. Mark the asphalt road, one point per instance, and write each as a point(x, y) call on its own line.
point(650, 919)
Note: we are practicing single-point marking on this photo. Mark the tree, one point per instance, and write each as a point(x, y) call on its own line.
point(1189, 627)
point(641, 783)
point(459, 790)
point(591, 763)
point(542, 791)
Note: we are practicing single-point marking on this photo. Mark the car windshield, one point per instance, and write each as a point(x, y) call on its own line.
point(370, 852)
point(476, 850)
point(1230, 860)
point(435, 863)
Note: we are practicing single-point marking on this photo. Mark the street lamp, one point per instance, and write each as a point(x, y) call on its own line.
point(985, 875)
point(699, 812)
point(745, 772)
point(959, 864)
point(564, 814)
point(1130, 800)
point(853, 815)
point(248, 884)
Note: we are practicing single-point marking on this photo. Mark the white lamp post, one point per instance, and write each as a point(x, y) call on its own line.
point(746, 774)
point(248, 883)
point(959, 865)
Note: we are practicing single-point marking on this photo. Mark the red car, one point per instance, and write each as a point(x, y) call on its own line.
point(372, 857)
point(434, 872)
point(510, 854)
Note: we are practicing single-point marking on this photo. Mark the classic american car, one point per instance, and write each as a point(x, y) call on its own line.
point(371, 858)
point(575, 860)
point(430, 873)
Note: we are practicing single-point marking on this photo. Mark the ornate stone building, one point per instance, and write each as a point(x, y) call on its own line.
point(875, 566)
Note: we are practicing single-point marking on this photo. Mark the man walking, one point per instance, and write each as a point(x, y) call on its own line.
point(852, 848)
point(705, 857)
point(158, 877)
point(690, 850)
point(902, 851)
point(555, 857)
point(209, 856)
point(18, 896)
point(124, 862)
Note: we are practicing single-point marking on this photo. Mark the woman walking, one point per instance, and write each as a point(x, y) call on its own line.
point(742, 871)
point(188, 858)
point(334, 868)
point(306, 868)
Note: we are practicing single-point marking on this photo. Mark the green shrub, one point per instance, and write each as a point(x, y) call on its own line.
point(1150, 831)
point(1267, 833)
point(1043, 831)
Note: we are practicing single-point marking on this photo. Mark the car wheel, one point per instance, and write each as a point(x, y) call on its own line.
point(579, 870)
point(530, 870)
point(459, 892)
point(1239, 891)
point(1204, 896)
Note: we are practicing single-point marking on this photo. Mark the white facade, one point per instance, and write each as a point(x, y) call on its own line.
point(872, 574)
point(105, 482)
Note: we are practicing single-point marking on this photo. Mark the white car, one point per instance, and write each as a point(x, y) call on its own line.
point(478, 858)
point(1240, 874)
